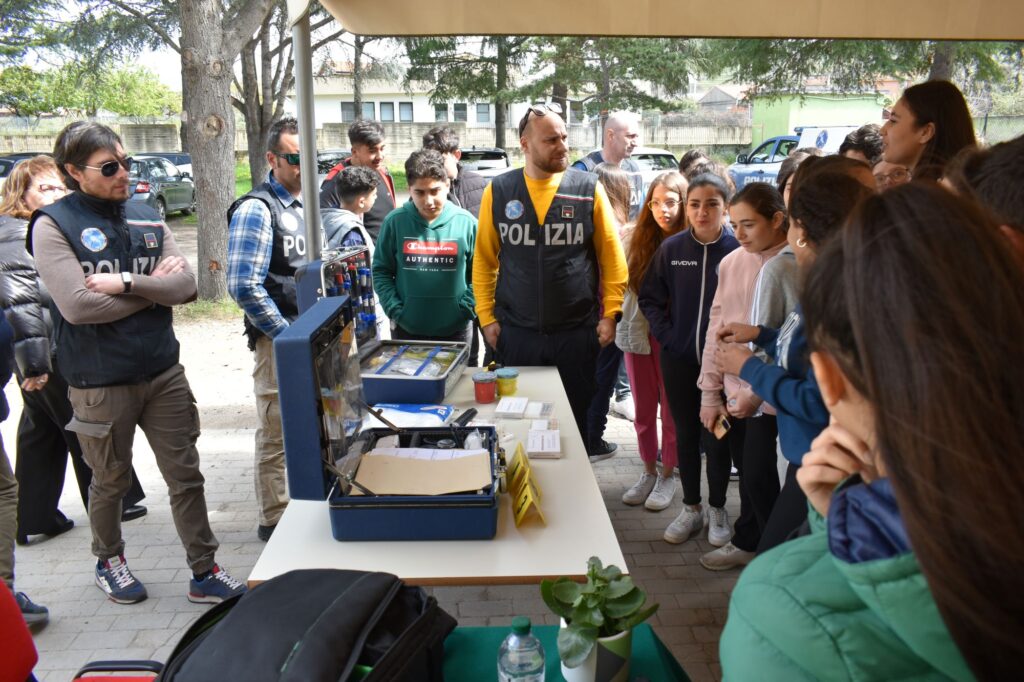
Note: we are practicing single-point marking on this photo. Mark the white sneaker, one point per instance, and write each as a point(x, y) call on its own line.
point(640, 490)
point(724, 558)
point(661, 497)
point(691, 520)
point(625, 408)
point(719, 531)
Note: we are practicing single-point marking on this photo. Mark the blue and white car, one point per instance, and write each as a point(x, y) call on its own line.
point(762, 164)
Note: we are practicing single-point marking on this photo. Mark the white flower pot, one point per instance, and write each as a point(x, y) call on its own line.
point(608, 661)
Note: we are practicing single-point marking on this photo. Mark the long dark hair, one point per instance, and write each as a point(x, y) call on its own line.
point(823, 202)
point(942, 104)
point(646, 235)
point(922, 307)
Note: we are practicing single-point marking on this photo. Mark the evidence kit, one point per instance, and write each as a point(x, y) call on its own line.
point(368, 475)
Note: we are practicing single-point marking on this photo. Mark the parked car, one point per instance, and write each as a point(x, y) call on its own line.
point(327, 159)
point(160, 184)
point(825, 138)
point(11, 159)
point(762, 164)
point(7, 164)
point(486, 161)
point(652, 161)
point(180, 159)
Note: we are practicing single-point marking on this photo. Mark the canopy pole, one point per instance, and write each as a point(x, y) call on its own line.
point(307, 133)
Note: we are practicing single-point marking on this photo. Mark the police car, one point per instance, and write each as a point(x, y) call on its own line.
point(762, 164)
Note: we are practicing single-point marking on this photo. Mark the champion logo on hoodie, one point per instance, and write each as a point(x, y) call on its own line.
point(421, 255)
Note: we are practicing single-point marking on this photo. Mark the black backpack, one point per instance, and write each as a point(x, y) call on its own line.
point(306, 626)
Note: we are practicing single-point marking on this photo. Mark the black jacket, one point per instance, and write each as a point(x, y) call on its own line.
point(467, 191)
point(24, 300)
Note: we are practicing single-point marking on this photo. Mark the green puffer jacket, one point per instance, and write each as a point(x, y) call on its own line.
point(847, 602)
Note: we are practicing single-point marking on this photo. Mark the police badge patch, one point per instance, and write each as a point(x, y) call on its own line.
point(568, 211)
point(514, 210)
point(150, 238)
point(94, 239)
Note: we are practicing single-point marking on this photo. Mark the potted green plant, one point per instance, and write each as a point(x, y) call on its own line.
point(595, 641)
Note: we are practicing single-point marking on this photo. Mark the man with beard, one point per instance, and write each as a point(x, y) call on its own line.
point(537, 279)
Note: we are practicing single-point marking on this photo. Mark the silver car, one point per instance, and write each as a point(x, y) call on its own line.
point(161, 185)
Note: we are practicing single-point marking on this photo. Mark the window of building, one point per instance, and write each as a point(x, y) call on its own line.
point(348, 112)
point(441, 113)
point(483, 113)
point(369, 111)
point(405, 112)
point(387, 111)
point(460, 113)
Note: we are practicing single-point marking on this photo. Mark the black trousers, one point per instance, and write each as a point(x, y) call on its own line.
point(759, 478)
point(788, 514)
point(680, 375)
point(573, 352)
point(43, 446)
point(609, 359)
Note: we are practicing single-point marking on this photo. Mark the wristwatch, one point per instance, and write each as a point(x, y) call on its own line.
point(126, 277)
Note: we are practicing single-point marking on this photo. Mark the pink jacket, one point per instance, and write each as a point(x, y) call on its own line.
point(737, 279)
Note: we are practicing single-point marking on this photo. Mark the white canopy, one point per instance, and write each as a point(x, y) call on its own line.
point(917, 19)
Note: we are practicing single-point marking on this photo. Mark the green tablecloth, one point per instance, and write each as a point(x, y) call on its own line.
point(471, 655)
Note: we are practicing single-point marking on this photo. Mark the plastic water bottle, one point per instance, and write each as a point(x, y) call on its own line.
point(521, 656)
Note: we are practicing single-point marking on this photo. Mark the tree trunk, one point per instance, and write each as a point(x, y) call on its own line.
point(357, 75)
point(560, 96)
point(501, 86)
point(251, 113)
point(942, 61)
point(211, 136)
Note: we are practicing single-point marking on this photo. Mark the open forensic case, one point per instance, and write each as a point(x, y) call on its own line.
point(370, 476)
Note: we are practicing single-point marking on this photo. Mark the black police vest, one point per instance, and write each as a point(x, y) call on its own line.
point(547, 272)
point(110, 237)
point(289, 251)
point(636, 180)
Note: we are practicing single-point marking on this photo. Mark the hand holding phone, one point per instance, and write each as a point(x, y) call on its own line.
point(722, 427)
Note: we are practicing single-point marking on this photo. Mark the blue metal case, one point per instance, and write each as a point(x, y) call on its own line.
point(322, 408)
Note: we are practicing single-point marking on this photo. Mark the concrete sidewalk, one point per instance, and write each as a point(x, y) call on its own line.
point(85, 626)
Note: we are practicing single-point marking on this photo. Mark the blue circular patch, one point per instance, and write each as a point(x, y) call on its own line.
point(94, 239)
point(514, 210)
point(821, 139)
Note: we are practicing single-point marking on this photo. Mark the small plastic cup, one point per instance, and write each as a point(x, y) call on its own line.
point(485, 387)
point(508, 381)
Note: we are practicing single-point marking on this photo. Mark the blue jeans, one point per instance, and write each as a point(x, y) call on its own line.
point(609, 360)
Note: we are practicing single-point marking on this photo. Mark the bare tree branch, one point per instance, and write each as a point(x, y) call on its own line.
point(244, 24)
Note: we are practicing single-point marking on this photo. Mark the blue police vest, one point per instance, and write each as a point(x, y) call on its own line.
point(112, 237)
point(547, 271)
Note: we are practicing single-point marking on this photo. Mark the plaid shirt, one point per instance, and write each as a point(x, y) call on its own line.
point(250, 245)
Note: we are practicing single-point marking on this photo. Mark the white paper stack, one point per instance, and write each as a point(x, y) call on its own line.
point(511, 408)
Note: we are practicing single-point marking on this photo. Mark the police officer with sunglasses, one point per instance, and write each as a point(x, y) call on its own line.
point(114, 272)
point(266, 245)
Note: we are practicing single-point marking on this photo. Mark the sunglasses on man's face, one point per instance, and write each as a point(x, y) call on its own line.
point(291, 159)
point(109, 168)
point(539, 110)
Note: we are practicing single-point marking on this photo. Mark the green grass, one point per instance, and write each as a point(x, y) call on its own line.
point(199, 311)
point(398, 175)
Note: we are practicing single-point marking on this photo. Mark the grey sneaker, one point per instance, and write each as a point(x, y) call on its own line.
point(640, 490)
point(661, 497)
point(724, 558)
point(690, 521)
point(719, 531)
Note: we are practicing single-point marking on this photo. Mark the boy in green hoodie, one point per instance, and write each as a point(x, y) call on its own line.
point(424, 258)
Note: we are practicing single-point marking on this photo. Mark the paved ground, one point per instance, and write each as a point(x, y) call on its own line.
point(85, 626)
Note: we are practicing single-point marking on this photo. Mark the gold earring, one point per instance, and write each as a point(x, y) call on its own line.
point(801, 242)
